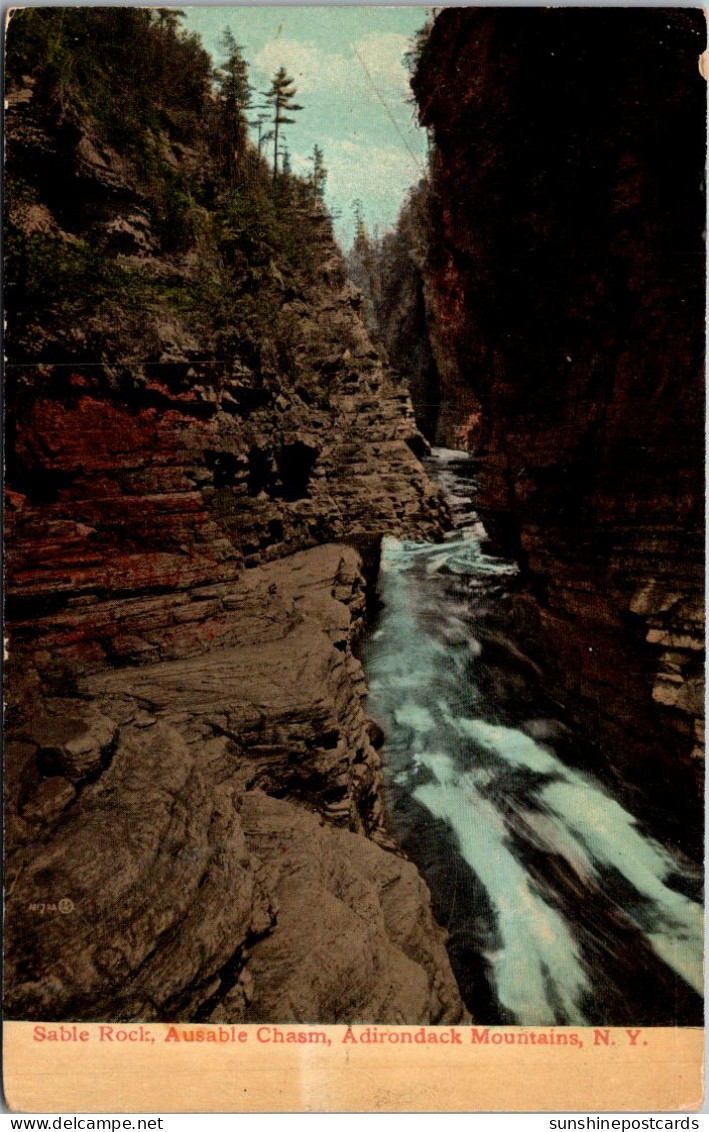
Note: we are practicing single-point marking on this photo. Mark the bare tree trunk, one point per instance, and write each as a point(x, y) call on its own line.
point(275, 149)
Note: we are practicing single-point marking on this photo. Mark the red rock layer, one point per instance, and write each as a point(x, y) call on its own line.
point(190, 776)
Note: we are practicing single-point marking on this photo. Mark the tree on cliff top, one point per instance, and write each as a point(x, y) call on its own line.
point(235, 99)
point(281, 95)
point(176, 136)
point(318, 176)
point(130, 70)
point(258, 123)
point(362, 265)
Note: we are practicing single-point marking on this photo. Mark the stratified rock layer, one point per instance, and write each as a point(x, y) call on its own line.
point(566, 298)
point(194, 826)
point(222, 854)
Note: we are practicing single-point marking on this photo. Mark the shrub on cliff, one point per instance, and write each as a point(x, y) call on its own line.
point(148, 157)
point(129, 69)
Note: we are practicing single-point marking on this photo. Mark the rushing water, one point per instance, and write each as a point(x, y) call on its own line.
point(560, 907)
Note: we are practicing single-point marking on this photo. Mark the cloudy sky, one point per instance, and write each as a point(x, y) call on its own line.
point(353, 84)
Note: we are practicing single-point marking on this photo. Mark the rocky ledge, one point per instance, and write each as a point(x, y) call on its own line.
point(202, 838)
point(199, 450)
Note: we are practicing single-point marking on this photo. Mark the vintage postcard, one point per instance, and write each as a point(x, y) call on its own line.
point(354, 559)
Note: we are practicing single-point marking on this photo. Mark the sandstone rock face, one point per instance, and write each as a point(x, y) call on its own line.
point(355, 938)
point(565, 292)
point(137, 892)
point(228, 861)
point(183, 595)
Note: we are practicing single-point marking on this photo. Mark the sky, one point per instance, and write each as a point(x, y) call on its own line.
point(352, 82)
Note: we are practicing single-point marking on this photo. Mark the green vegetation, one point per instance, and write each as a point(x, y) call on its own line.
point(365, 266)
point(132, 70)
point(170, 139)
point(418, 46)
point(235, 100)
point(390, 271)
point(319, 174)
point(382, 265)
point(281, 95)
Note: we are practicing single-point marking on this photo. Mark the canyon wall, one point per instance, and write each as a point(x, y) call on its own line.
point(565, 296)
point(194, 823)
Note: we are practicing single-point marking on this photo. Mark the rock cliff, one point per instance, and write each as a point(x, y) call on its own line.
point(192, 791)
point(565, 295)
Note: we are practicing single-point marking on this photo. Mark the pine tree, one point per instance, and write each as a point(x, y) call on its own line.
point(235, 98)
point(319, 174)
point(258, 124)
point(281, 95)
point(169, 19)
point(361, 264)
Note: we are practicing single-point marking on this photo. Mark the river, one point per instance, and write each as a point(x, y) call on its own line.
point(561, 907)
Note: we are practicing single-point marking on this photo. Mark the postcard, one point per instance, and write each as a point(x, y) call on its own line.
point(354, 559)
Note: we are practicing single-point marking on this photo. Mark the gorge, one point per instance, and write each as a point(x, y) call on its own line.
point(223, 803)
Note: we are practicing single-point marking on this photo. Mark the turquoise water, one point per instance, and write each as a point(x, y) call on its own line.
point(561, 909)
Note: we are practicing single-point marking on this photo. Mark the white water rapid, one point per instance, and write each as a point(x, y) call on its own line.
point(561, 908)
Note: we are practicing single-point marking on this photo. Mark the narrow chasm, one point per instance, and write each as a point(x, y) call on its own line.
point(541, 691)
point(562, 904)
point(354, 547)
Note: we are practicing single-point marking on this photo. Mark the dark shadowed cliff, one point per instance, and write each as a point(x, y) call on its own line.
point(565, 302)
point(199, 436)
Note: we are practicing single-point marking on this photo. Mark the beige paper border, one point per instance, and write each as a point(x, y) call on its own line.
point(661, 1071)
